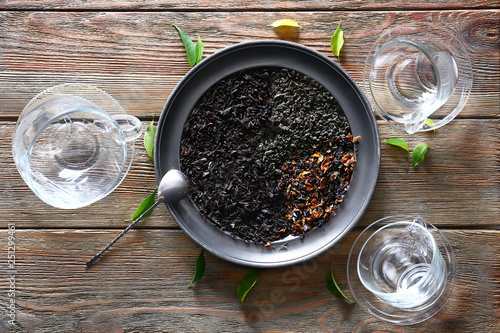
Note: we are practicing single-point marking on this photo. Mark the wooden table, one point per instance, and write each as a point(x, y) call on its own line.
point(131, 50)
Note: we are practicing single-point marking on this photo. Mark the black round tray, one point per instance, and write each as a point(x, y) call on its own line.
point(355, 106)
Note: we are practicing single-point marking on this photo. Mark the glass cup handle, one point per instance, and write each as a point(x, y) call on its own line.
point(420, 220)
point(130, 126)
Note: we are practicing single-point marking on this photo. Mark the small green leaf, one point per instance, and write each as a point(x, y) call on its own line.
point(337, 40)
point(334, 288)
point(189, 46)
point(198, 51)
point(199, 269)
point(246, 283)
point(144, 206)
point(398, 143)
point(284, 23)
point(430, 123)
point(419, 152)
point(149, 141)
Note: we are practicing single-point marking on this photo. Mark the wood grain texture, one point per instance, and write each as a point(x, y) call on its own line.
point(248, 5)
point(130, 50)
point(139, 58)
point(457, 184)
point(141, 286)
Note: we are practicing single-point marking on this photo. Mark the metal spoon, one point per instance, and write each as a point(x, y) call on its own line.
point(173, 187)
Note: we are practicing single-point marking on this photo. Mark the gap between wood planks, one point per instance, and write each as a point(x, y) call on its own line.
point(246, 10)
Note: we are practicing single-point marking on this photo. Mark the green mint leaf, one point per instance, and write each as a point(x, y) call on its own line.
point(337, 40)
point(419, 152)
point(199, 268)
point(401, 144)
point(334, 288)
point(246, 283)
point(198, 51)
point(149, 141)
point(144, 206)
point(430, 123)
point(398, 143)
point(189, 46)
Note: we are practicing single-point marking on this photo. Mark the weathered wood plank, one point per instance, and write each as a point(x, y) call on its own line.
point(141, 286)
point(244, 5)
point(139, 58)
point(457, 184)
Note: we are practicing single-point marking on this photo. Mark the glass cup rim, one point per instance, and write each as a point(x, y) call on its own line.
point(443, 37)
point(426, 277)
point(111, 112)
point(373, 305)
point(112, 184)
point(416, 45)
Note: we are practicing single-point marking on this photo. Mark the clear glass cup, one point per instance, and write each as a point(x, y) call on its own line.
point(401, 269)
point(418, 80)
point(74, 144)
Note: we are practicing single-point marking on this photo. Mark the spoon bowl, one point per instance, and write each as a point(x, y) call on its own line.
point(174, 186)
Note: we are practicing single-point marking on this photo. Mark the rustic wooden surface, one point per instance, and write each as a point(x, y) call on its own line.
point(131, 50)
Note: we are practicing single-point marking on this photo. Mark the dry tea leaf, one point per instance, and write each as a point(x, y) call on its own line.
point(284, 23)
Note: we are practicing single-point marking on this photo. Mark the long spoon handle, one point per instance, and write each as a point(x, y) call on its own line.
point(97, 256)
